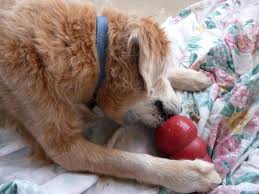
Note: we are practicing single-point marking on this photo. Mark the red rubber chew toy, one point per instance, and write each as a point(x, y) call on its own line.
point(178, 138)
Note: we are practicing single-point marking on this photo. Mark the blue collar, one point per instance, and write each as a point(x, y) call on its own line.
point(101, 44)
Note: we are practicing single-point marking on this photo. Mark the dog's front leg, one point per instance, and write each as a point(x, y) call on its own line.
point(77, 154)
point(188, 79)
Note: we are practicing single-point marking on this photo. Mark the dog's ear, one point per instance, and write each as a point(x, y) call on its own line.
point(142, 51)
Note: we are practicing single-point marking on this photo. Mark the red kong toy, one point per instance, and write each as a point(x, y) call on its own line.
point(178, 138)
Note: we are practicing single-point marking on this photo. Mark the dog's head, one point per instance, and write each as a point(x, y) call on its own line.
point(136, 76)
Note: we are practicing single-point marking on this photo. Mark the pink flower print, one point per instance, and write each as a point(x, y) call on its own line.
point(215, 90)
point(222, 169)
point(230, 41)
point(253, 125)
point(212, 134)
point(255, 37)
point(243, 42)
point(225, 189)
point(230, 22)
point(240, 97)
point(256, 32)
point(227, 145)
point(223, 78)
point(225, 163)
point(256, 113)
point(223, 130)
point(175, 20)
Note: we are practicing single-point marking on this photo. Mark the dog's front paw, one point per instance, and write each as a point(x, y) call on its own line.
point(188, 79)
point(192, 176)
point(205, 176)
point(201, 81)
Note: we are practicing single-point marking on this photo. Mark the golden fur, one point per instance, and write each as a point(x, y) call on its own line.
point(49, 70)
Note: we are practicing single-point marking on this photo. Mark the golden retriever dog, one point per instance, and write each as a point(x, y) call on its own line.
point(49, 69)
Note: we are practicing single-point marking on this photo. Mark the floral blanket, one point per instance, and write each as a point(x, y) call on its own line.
point(223, 41)
point(218, 37)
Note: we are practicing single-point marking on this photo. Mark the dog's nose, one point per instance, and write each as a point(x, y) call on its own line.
point(160, 106)
point(166, 112)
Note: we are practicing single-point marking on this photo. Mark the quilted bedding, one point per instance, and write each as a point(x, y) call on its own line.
point(222, 40)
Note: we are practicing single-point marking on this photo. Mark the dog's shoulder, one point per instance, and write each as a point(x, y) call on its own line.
point(49, 42)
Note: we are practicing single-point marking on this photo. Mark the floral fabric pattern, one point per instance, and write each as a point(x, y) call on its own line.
point(224, 45)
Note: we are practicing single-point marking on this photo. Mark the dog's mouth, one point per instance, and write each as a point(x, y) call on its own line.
point(152, 114)
point(160, 107)
point(152, 120)
point(162, 111)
